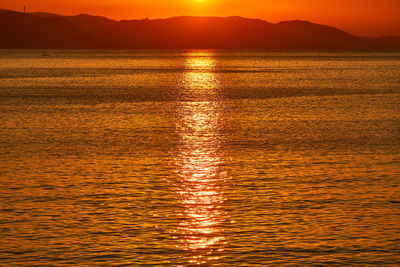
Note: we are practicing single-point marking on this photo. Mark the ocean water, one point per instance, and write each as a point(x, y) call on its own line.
point(213, 158)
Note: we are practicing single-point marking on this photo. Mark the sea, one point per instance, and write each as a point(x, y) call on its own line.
point(199, 158)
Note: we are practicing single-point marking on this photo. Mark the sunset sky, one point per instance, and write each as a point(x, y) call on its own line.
point(360, 17)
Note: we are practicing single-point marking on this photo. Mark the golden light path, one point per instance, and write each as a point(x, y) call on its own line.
point(199, 161)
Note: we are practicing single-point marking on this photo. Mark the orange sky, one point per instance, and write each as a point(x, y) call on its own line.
point(361, 17)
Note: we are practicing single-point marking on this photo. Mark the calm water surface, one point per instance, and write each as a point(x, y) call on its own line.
point(180, 158)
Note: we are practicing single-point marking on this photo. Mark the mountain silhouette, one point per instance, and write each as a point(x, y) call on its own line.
point(45, 30)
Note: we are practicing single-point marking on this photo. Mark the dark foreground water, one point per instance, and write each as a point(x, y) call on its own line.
point(116, 158)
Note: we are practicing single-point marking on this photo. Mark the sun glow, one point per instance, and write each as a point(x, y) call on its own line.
point(355, 15)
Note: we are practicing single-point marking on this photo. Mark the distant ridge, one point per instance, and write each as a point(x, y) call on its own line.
point(46, 31)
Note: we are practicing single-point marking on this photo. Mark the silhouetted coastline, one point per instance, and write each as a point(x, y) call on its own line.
point(52, 31)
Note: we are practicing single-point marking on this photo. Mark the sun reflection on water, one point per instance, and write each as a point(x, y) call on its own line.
point(199, 161)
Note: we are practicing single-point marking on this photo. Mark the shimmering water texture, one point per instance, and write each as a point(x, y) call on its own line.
point(213, 158)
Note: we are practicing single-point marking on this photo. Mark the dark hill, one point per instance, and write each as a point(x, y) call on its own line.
point(18, 30)
point(44, 30)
